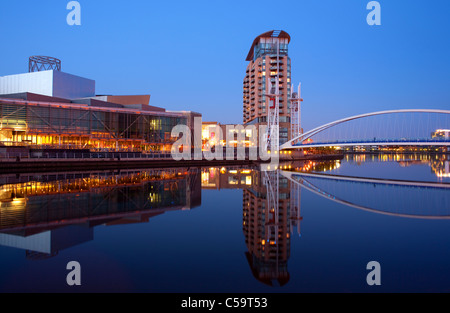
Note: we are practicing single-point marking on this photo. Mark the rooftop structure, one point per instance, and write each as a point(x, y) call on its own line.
point(39, 63)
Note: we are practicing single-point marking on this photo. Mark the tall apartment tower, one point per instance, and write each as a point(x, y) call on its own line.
point(268, 60)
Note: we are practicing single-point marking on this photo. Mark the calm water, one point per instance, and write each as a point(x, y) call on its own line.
point(218, 229)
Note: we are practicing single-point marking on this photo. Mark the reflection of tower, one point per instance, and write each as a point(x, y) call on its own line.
point(295, 202)
point(271, 181)
point(266, 227)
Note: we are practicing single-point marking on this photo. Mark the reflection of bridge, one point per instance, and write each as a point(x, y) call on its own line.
point(427, 200)
point(421, 127)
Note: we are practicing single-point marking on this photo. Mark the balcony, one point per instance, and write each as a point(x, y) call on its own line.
point(275, 62)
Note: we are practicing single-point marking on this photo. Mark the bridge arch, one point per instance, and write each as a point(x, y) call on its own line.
point(298, 141)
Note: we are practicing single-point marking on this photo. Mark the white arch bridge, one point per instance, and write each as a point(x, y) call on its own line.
point(408, 127)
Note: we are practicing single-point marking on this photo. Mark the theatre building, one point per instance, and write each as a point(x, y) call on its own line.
point(56, 110)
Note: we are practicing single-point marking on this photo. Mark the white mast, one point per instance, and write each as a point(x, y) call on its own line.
point(296, 115)
point(273, 111)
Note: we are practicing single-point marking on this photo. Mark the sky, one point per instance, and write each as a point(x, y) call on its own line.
point(190, 55)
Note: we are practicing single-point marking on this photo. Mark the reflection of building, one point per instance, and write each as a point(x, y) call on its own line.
point(439, 162)
point(45, 217)
point(441, 166)
point(52, 109)
point(226, 178)
point(312, 166)
point(268, 252)
point(44, 243)
point(267, 230)
point(271, 216)
point(268, 59)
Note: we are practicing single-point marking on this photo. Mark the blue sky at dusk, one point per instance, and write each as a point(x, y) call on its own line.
point(190, 55)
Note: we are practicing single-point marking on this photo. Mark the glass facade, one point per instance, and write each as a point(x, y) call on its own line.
point(82, 127)
point(270, 46)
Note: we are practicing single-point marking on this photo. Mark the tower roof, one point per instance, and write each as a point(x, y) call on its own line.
point(269, 34)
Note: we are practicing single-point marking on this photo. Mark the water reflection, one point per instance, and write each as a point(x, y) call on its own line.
point(382, 193)
point(439, 163)
point(392, 197)
point(48, 213)
point(267, 229)
point(441, 167)
point(271, 213)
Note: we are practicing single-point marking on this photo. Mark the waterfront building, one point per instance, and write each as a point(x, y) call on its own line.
point(238, 136)
point(268, 60)
point(441, 133)
point(55, 110)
